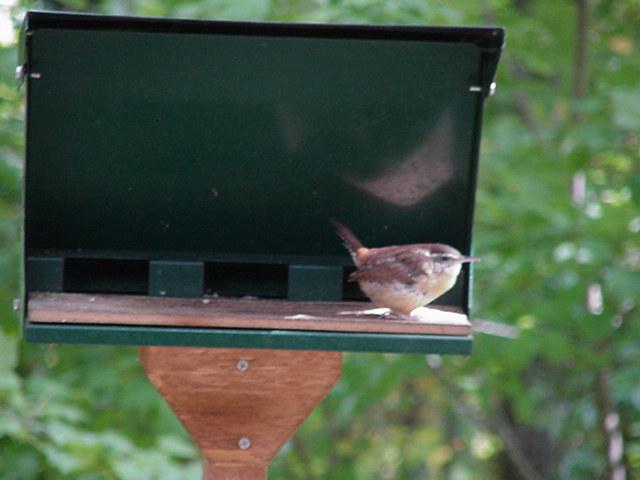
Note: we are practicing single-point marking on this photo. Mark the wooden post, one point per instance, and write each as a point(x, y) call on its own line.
point(240, 405)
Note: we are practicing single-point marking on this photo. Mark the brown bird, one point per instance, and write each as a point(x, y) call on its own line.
point(403, 277)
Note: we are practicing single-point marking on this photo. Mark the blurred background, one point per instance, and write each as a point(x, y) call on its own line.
point(552, 390)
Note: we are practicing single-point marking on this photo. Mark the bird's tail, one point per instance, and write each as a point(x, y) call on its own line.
point(350, 240)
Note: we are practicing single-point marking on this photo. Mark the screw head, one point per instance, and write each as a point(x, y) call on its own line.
point(244, 443)
point(242, 365)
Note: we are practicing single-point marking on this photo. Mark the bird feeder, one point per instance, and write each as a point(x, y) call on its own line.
point(179, 180)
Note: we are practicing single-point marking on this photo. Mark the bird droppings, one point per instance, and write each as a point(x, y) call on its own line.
point(420, 315)
point(435, 315)
point(378, 312)
point(300, 316)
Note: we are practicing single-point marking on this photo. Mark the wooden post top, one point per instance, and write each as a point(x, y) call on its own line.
point(240, 405)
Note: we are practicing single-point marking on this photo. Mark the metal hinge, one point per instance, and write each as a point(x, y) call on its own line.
point(22, 71)
point(479, 89)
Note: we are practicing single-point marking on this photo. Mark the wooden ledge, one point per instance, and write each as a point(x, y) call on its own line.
point(87, 309)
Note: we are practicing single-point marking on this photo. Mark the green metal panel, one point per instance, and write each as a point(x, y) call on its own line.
point(278, 339)
point(231, 144)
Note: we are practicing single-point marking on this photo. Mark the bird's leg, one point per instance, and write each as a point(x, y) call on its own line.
point(398, 315)
point(394, 315)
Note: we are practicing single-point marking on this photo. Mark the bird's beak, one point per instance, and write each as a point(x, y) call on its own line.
point(466, 259)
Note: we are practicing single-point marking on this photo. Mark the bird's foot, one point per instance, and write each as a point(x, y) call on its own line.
point(394, 315)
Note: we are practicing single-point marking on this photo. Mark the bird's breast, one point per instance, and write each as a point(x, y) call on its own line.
point(406, 297)
point(398, 296)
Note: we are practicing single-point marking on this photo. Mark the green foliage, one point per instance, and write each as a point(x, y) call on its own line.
point(558, 217)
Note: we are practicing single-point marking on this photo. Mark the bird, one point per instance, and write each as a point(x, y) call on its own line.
point(403, 277)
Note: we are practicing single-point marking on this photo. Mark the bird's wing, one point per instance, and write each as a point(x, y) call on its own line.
point(389, 264)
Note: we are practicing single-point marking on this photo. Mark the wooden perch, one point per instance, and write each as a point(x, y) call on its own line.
point(74, 308)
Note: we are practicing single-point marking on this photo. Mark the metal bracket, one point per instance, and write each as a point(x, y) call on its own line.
point(45, 274)
point(314, 282)
point(176, 279)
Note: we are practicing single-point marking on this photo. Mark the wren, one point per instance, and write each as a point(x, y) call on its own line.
point(403, 277)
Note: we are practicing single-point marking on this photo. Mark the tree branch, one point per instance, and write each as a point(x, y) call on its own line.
point(610, 425)
point(522, 106)
point(580, 74)
point(614, 437)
